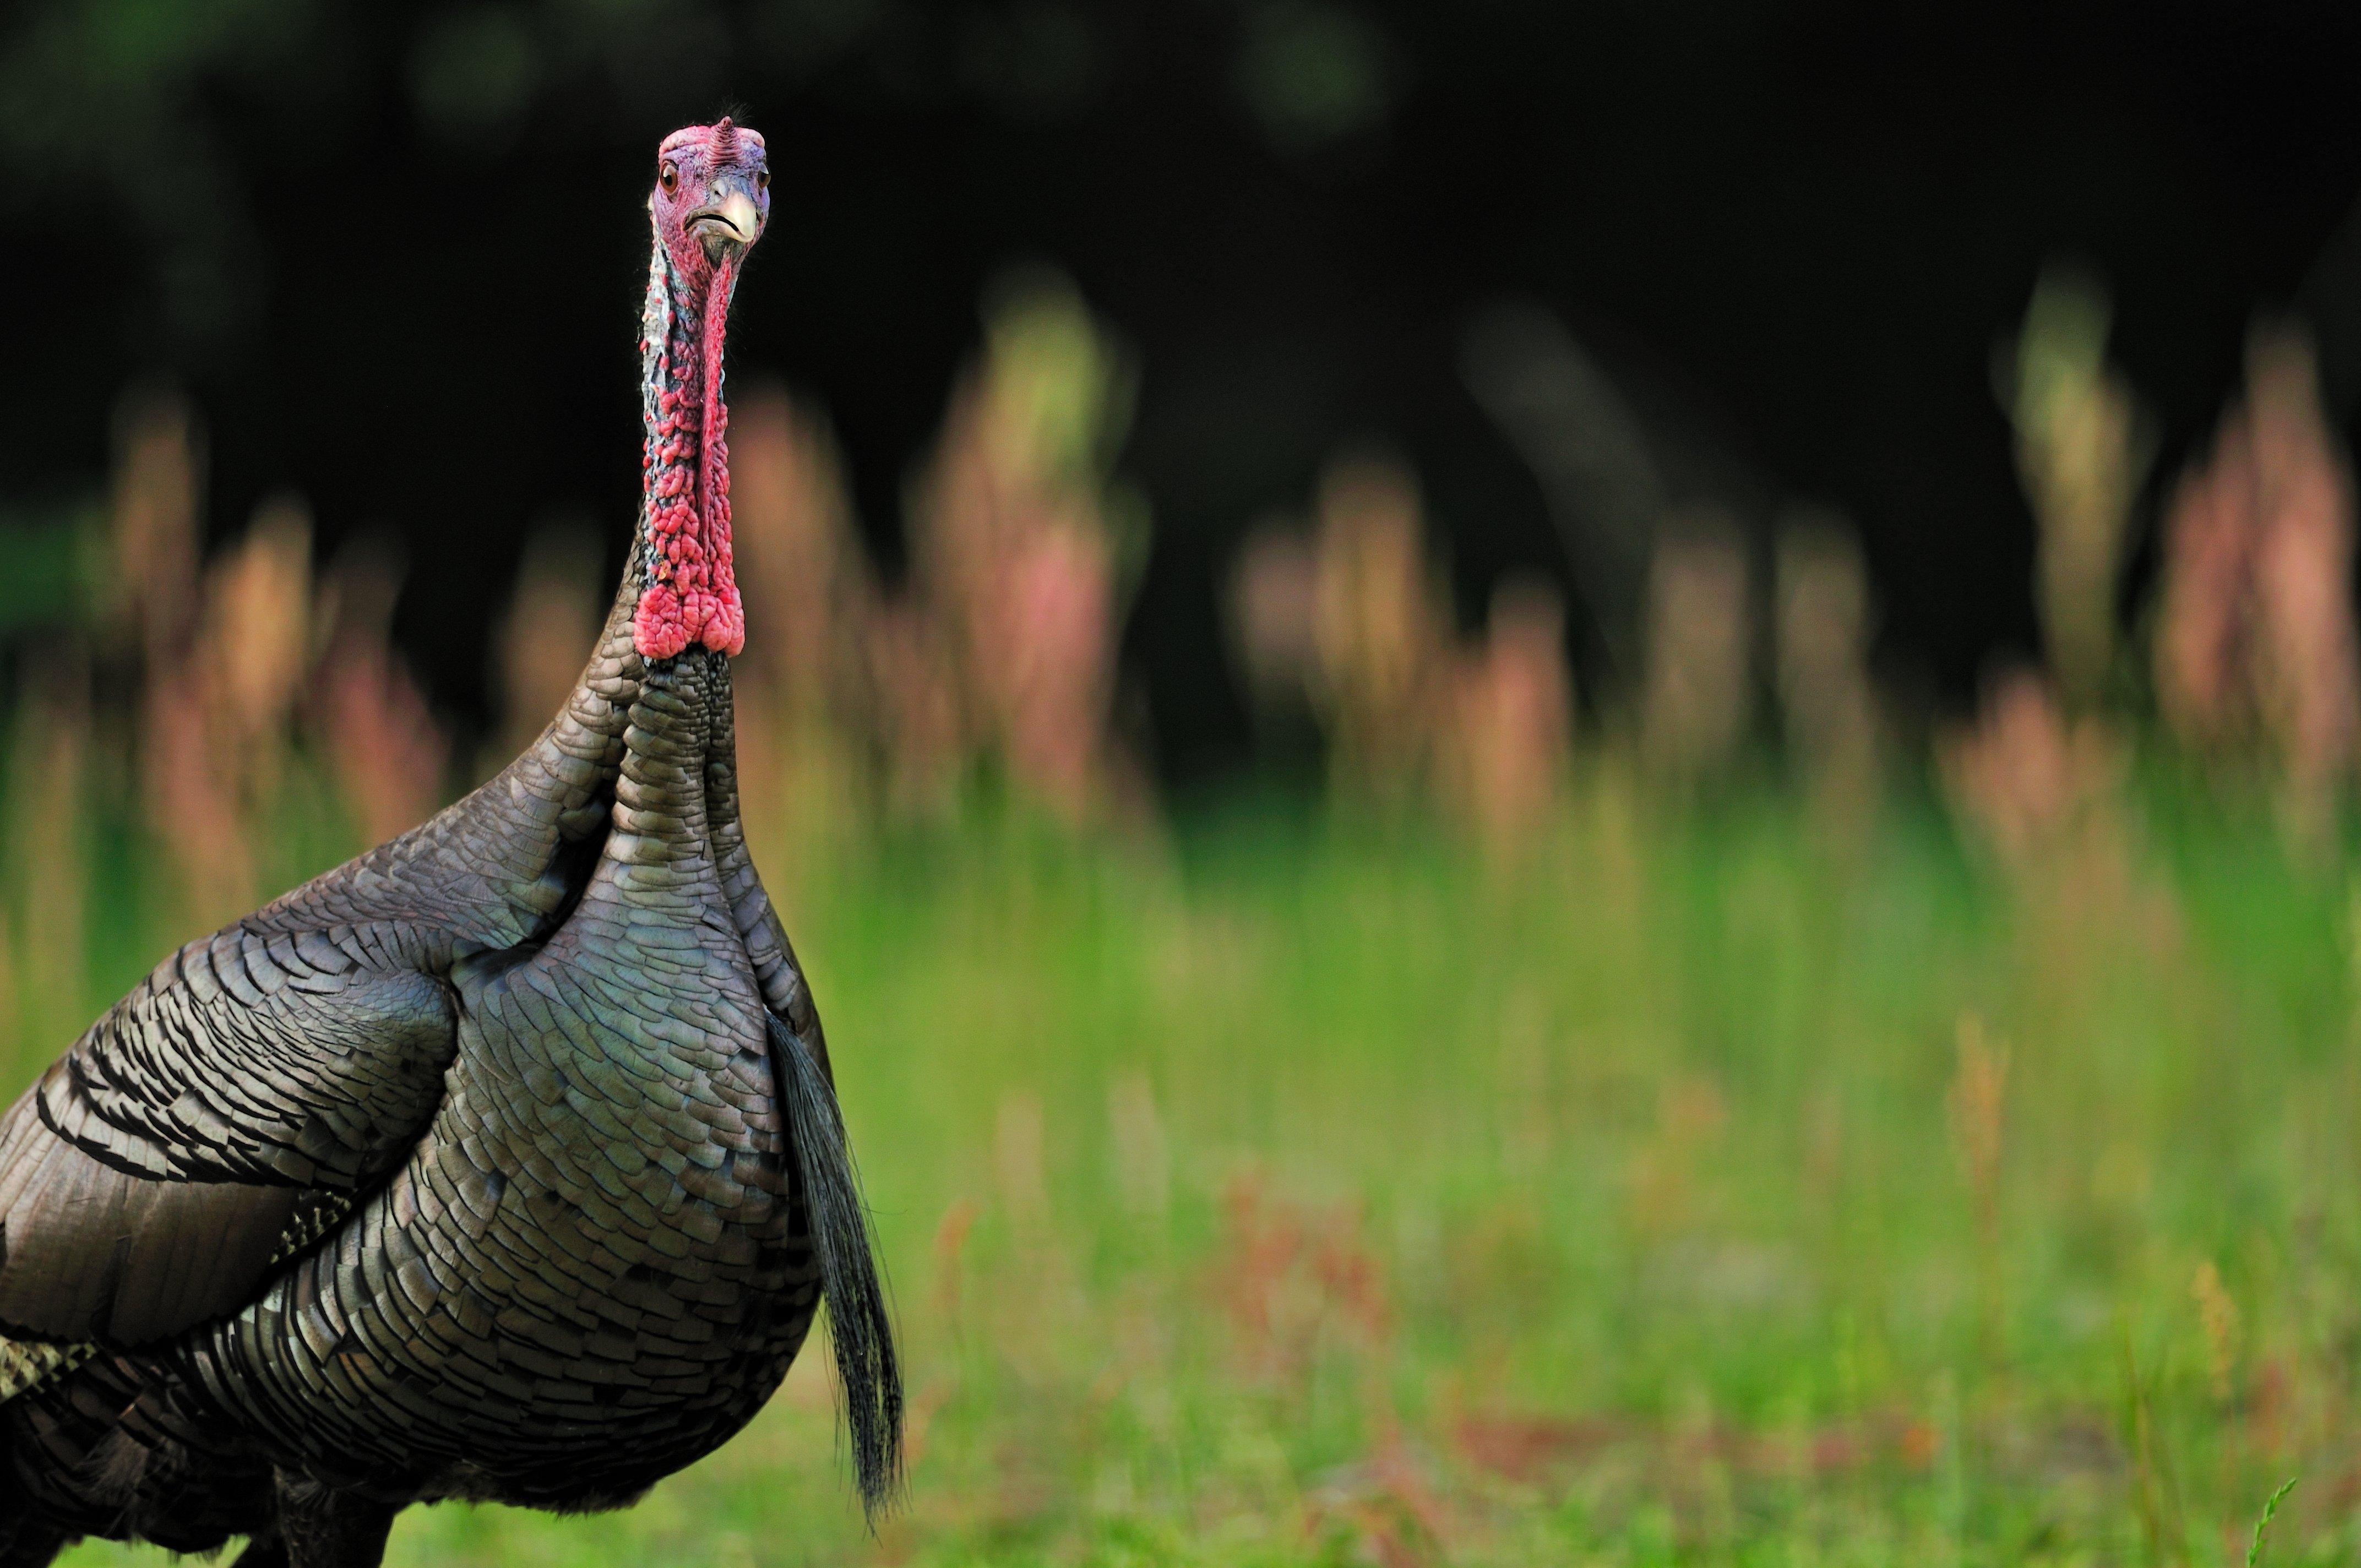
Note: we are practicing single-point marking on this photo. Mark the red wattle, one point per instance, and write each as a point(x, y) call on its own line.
point(656, 626)
point(690, 598)
point(721, 622)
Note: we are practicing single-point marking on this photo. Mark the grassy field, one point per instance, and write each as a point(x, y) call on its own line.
point(1703, 1186)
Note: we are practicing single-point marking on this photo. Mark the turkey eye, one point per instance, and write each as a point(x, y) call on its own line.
point(669, 179)
point(762, 179)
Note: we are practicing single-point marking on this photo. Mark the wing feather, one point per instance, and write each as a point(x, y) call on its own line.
point(152, 1177)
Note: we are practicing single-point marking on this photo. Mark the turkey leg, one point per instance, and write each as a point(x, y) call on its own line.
point(320, 1527)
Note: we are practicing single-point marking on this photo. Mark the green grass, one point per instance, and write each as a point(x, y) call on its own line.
point(1286, 1193)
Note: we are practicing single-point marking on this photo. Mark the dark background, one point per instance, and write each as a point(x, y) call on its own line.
point(396, 254)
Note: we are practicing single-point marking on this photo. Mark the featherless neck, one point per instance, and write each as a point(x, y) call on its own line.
point(688, 596)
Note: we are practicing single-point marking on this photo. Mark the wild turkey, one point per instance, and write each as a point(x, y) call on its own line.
point(502, 1162)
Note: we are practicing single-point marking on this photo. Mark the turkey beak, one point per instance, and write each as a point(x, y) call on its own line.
point(729, 218)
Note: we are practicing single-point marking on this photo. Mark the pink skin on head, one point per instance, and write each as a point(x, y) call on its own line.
point(710, 202)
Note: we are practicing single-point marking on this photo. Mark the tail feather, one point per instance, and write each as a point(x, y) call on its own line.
point(858, 1322)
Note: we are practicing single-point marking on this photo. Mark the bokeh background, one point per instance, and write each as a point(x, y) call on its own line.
point(1570, 783)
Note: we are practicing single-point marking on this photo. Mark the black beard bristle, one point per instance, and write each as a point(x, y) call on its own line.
point(860, 1325)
